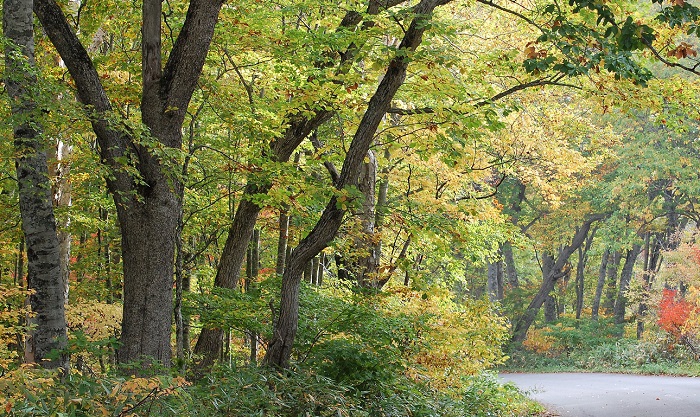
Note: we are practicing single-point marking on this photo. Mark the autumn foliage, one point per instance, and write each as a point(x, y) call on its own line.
point(674, 312)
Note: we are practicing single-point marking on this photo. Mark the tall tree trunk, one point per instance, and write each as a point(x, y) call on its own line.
point(366, 269)
point(523, 323)
point(509, 260)
point(495, 280)
point(601, 283)
point(625, 278)
point(61, 190)
point(285, 327)
point(580, 269)
point(652, 258)
point(550, 303)
point(611, 282)
point(282, 241)
point(148, 204)
point(281, 149)
point(35, 200)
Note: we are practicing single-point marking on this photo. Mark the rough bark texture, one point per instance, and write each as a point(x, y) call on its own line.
point(495, 280)
point(285, 328)
point(35, 199)
point(625, 278)
point(524, 322)
point(148, 205)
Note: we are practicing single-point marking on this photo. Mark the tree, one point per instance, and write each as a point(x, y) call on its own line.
point(285, 326)
point(142, 176)
point(35, 199)
point(550, 275)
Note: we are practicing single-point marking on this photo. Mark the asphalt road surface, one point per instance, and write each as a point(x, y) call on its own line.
point(612, 395)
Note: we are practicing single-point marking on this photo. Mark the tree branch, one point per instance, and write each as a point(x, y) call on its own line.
point(186, 60)
point(658, 56)
point(555, 81)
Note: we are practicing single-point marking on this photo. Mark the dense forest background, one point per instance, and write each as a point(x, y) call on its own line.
point(340, 207)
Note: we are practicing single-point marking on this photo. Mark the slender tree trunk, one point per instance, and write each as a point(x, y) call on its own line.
point(285, 327)
point(61, 190)
point(580, 269)
point(611, 283)
point(35, 200)
point(509, 260)
point(652, 258)
point(625, 278)
point(601, 283)
point(367, 267)
point(282, 242)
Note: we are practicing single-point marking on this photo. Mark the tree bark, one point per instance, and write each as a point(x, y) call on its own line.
point(601, 283)
point(524, 322)
point(550, 303)
point(495, 280)
point(35, 199)
point(625, 278)
point(148, 204)
point(611, 283)
point(284, 331)
point(282, 241)
point(652, 258)
point(509, 260)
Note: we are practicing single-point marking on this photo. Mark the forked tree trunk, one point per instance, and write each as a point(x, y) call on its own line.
point(35, 199)
point(148, 204)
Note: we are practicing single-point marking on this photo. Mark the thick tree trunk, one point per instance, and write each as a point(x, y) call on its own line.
point(550, 303)
point(550, 308)
point(285, 327)
point(148, 205)
point(625, 278)
point(523, 323)
point(148, 243)
point(495, 280)
point(35, 199)
point(601, 283)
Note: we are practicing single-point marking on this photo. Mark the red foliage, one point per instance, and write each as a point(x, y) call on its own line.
point(673, 313)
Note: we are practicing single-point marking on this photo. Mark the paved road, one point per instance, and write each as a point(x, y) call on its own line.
point(612, 395)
